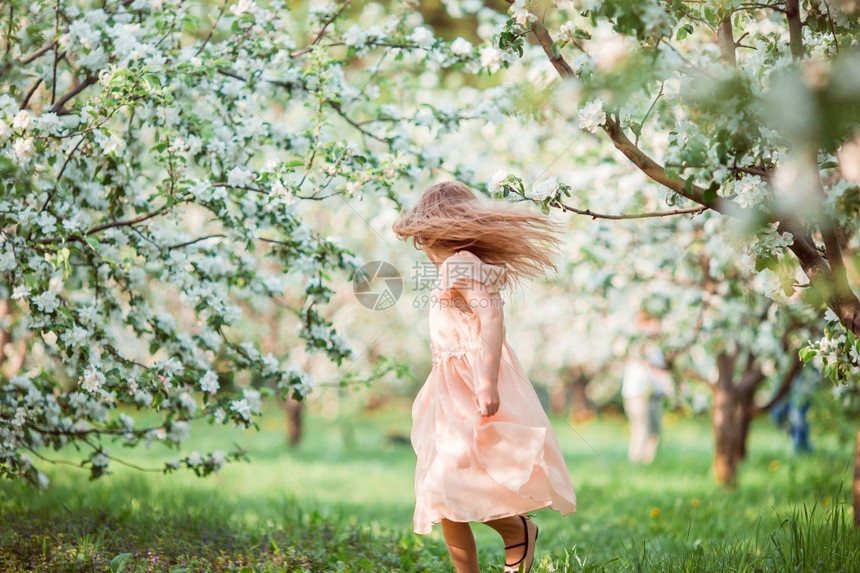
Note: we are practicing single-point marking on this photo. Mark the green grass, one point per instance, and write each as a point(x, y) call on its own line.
point(343, 501)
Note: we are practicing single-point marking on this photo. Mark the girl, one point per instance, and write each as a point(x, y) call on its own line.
point(486, 451)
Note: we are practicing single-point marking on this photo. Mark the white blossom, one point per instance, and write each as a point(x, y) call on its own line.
point(423, 37)
point(92, 379)
point(209, 382)
point(47, 302)
point(238, 177)
point(22, 120)
point(592, 116)
point(461, 47)
point(24, 149)
point(242, 408)
point(544, 190)
point(355, 37)
point(20, 291)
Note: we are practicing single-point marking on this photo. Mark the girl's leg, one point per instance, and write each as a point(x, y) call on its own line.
point(512, 531)
point(461, 546)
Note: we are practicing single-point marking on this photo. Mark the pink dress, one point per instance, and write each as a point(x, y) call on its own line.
point(472, 468)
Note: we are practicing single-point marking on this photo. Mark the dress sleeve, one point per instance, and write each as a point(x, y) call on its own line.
point(463, 267)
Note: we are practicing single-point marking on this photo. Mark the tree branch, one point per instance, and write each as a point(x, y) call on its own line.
point(38, 53)
point(844, 304)
point(88, 81)
point(657, 172)
point(726, 41)
point(593, 215)
point(647, 165)
point(26, 101)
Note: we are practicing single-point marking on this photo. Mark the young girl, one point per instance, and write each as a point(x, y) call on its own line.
point(486, 452)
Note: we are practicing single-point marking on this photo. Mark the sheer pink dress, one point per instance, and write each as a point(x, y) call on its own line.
point(472, 468)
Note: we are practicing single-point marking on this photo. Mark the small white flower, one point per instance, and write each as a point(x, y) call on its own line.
point(194, 459)
point(545, 190)
point(461, 47)
point(592, 116)
point(520, 13)
point(209, 382)
point(252, 395)
point(423, 37)
point(20, 292)
point(75, 337)
point(92, 379)
point(494, 186)
point(189, 404)
point(218, 458)
point(24, 149)
point(110, 144)
point(242, 408)
point(22, 120)
point(179, 431)
point(244, 6)
point(47, 302)
point(355, 37)
point(100, 461)
point(48, 122)
point(491, 58)
point(238, 177)
point(43, 480)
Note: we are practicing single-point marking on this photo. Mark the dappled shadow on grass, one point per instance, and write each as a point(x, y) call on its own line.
point(187, 530)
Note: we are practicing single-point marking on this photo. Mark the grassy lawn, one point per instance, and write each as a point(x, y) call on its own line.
point(342, 501)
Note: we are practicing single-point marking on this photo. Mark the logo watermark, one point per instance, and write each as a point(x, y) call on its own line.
point(377, 285)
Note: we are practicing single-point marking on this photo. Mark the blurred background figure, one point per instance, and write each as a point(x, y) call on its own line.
point(792, 412)
point(645, 384)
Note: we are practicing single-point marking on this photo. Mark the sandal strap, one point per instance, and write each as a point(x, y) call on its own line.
point(526, 543)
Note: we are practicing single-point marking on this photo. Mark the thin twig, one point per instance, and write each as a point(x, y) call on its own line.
point(212, 29)
point(58, 107)
point(26, 101)
point(650, 215)
point(321, 32)
point(56, 50)
point(40, 52)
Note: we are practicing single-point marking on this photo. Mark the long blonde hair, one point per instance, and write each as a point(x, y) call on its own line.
point(450, 217)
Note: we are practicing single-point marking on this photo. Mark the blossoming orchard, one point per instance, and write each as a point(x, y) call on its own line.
point(187, 189)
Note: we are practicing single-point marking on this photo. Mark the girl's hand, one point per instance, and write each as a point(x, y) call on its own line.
point(488, 399)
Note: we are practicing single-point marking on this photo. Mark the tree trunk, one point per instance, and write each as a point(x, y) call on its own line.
point(857, 482)
point(734, 409)
point(729, 436)
point(580, 408)
point(295, 416)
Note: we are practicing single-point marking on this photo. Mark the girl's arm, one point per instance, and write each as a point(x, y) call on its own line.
point(488, 308)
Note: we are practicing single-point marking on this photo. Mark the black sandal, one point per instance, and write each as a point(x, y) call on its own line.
point(522, 567)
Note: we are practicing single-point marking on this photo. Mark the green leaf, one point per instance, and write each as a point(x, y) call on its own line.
point(118, 563)
point(765, 262)
point(807, 353)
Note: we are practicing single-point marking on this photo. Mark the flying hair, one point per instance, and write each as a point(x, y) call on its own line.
point(450, 217)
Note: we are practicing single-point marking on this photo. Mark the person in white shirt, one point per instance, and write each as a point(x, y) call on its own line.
point(644, 386)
